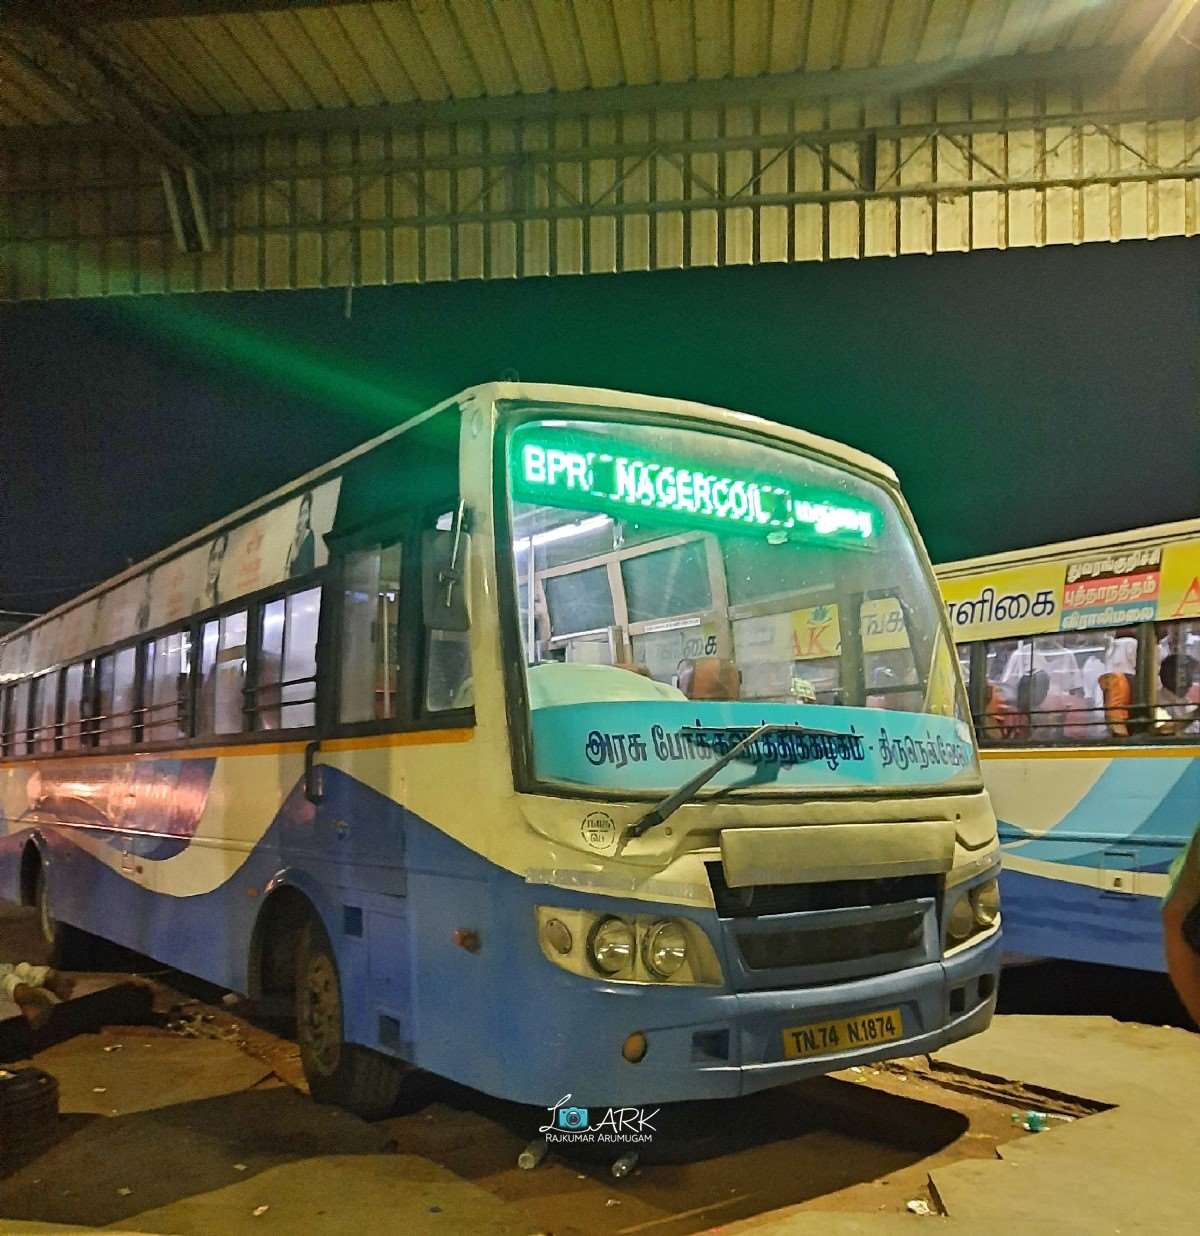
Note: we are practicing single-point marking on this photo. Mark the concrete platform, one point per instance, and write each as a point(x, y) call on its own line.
point(1128, 1171)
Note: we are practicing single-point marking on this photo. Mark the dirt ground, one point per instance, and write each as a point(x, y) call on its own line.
point(861, 1141)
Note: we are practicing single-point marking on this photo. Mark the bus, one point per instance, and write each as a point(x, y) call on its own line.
point(1082, 664)
point(555, 741)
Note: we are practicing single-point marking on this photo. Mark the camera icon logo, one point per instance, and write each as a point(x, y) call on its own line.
point(572, 1119)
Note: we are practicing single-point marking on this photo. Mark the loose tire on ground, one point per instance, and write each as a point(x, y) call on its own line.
point(70, 948)
point(344, 1074)
point(28, 1115)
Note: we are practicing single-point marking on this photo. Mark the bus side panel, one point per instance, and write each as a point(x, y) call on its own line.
point(168, 856)
point(1087, 840)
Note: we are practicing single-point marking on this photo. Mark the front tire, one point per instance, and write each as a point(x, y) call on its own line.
point(67, 947)
point(344, 1074)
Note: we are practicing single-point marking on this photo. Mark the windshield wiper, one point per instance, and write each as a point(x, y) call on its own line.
point(689, 789)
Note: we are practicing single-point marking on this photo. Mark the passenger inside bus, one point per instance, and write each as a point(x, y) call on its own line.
point(1178, 710)
point(709, 678)
point(1117, 685)
point(1071, 686)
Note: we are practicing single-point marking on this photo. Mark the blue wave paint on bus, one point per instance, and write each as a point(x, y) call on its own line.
point(524, 1029)
point(1060, 884)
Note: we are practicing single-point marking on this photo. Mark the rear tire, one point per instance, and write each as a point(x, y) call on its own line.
point(68, 948)
point(344, 1074)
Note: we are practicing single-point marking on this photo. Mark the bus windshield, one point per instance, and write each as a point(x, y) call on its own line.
point(676, 589)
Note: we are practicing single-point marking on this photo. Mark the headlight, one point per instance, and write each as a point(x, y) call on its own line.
point(627, 948)
point(612, 946)
point(985, 899)
point(665, 948)
point(961, 920)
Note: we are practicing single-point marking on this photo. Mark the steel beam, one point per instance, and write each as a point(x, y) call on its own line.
point(1051, 67)
point(68, 92)
point(887, 82)
point(1154, 46)
point(102, 11)
point(51, 46)
point(927, 190)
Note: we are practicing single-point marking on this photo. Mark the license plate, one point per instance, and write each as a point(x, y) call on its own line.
point(846, 1034)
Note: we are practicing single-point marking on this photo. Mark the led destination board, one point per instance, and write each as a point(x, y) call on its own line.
point(558, 467)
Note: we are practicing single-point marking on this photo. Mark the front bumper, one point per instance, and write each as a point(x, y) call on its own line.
point(704, 1044)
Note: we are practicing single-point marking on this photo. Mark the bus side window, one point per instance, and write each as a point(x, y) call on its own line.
point(223, 675)
point(449, 684)
point(46, 718)
point(102, 682)
point(72, 712)
point(286, 692)
point(370, 634)
point(1005, 665)
point(19, 720)
point(1117, 684)
point(448, 681)
point(118, 729)
point(165, 693)
point(1177, 679)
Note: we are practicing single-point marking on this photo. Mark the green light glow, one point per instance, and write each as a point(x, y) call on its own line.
point(558, 467)
point(279, 363)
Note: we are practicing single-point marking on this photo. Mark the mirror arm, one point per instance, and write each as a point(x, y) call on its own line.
point(450, 574)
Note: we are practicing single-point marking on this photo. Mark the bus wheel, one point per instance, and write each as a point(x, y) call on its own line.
point(345, 1074)
point(69, 948)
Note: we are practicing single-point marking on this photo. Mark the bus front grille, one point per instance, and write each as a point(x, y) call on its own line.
point(883, 938)
point(762, 899)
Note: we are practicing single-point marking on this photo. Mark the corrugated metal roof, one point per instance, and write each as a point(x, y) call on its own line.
point(241, 57)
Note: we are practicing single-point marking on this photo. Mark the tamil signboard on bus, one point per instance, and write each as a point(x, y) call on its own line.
point(1100, 590)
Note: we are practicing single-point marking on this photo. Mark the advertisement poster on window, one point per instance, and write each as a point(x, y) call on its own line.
point(75, 627)
point(14, 657)
point(44, 644)
point(883, 625)
point(286, 542)
point(815, 633)
point(117, 612)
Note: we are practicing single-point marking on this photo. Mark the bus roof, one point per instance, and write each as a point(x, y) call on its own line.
point(533, 392)
point(544, 392)
point(1160, 534)
point(1093, 583)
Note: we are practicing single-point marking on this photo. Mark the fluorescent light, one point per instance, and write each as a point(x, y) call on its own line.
point(562, 533)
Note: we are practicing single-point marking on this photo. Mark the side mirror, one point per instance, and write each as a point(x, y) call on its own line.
point(444, 577)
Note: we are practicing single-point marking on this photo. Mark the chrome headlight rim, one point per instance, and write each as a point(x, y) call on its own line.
point(677, 954)
point(611, 923)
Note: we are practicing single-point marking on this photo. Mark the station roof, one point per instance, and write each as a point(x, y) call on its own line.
point(76, 62)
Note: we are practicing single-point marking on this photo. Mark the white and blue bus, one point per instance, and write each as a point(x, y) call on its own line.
point(1083, 667)
point(555, 741)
